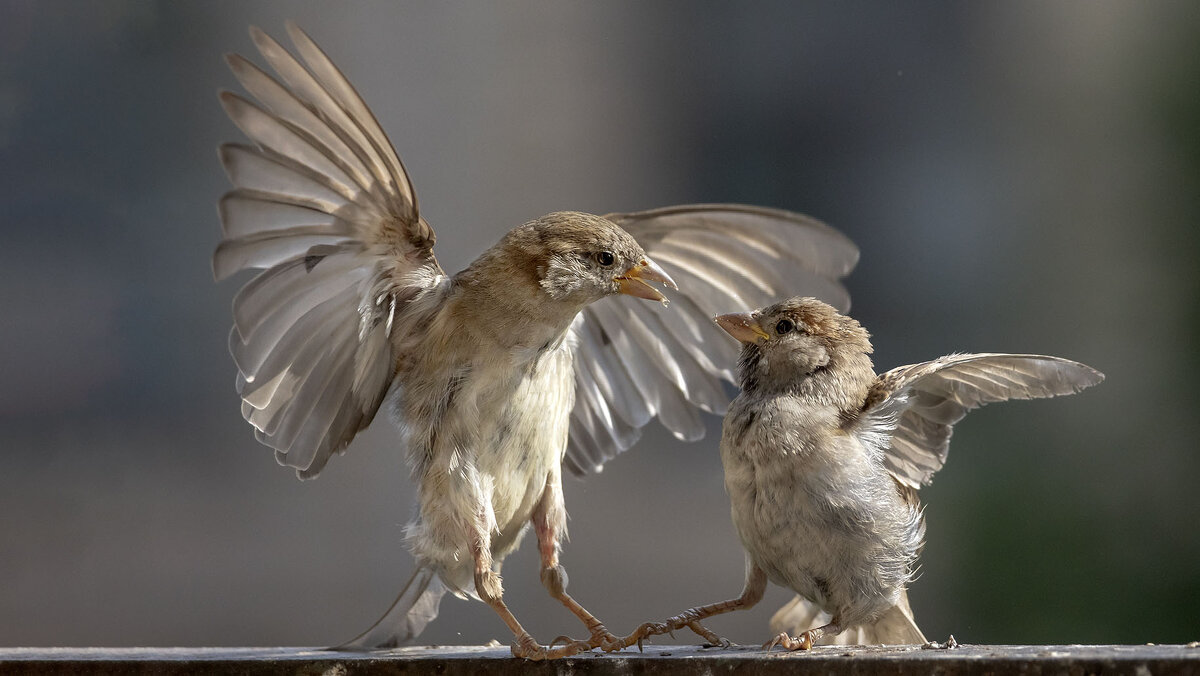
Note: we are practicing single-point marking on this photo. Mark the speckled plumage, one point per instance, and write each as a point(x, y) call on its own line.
point(822, 460)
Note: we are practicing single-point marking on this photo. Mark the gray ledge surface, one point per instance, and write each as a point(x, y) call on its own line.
point(451, 660)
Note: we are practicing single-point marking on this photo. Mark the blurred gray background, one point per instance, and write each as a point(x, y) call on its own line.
point(1020, 176)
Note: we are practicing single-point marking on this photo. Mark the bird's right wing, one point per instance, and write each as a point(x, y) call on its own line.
point(635, 361)
point(322, 204)
point(911, 410)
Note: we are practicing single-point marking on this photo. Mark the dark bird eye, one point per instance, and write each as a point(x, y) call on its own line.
point(605, 258)
point(784, 326)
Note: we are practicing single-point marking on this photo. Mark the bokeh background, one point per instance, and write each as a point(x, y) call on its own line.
point(1020, 176)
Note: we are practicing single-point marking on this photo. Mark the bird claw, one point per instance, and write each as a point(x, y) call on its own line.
point(526, 647)
point(713, 639)
point(605, 640)
point(649, 629)
point(564, 639)
point(950, 644)
point(803, 642)
point(641, 633)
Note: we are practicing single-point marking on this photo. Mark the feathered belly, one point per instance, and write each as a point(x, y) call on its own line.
point(499, 438)
point(529, 440)
point(823, 533)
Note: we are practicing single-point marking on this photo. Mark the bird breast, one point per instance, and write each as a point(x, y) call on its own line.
point(486, 428)
point(812, 507)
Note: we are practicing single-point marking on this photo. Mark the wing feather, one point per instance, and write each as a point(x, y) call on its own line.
point(910, 412)
point(244, 213)
point(610, 374)
point(345, 96)
point(311, 94)
point(277, 179)
point(670, 363)
point(321, 204)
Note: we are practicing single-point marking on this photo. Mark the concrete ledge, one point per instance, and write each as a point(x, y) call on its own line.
point(966, 659)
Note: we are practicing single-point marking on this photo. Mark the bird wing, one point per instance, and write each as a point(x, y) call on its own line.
point(910, 411)
point(636, 360)
point(323, 206)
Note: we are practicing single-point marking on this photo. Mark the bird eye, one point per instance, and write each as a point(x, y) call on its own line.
point(784, 326)
point(605, 258)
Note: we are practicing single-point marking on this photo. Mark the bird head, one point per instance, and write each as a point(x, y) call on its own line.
point(795, 338)
point(579, 258)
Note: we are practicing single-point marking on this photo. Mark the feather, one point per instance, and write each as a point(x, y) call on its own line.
point(323, 205)
point(649, 363)
point(910, 410)
point(278, 178)
point(415, 607)
point(341, 91)
point(245, 213)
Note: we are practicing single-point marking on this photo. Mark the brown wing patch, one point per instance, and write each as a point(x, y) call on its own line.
point(885, 385)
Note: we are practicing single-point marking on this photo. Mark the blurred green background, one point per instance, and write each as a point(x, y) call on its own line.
point(1020, 176)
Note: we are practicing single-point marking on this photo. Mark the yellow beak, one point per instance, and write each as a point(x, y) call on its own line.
point(633, 282)
point(741, 325)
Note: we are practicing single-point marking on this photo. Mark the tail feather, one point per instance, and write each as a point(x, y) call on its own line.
point(894, 627)
point(416, 607)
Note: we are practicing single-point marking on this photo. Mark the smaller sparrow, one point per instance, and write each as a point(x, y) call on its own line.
point(823, 460)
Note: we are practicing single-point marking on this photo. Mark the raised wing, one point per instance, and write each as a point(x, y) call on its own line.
point(910, 411)
point(635, 361)
point(323, 205)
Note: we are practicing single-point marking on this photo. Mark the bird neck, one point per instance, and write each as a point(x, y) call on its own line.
point(840, 383)
point(511, 316)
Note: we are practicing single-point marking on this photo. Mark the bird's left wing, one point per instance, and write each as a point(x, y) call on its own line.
point(910, 411)
point(323, 206)
point(635, 361)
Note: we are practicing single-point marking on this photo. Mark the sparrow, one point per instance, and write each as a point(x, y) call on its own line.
point(823, 459)
point(540, 356)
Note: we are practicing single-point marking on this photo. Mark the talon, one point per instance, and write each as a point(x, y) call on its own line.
point(566, 640)
point(786, 642)
point(526, 647)
point(707, 635)
point(613, 643)
point(603, 639)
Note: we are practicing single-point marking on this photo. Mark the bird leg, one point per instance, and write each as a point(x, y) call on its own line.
point(805, 640)
point(488, 587)
point(549, 524)
point(752, 593)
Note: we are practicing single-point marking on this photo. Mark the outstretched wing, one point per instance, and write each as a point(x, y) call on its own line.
point(911, 410)
point(635, 360)
point(321, 204)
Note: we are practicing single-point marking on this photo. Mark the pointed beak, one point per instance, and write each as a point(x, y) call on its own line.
point(741, 325)
point(633, 282)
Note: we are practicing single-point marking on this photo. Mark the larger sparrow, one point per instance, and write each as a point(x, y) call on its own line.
point(498, 376)
point(823, 460)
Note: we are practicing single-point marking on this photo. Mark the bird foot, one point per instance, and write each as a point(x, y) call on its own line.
point(649, 629)
point(803, 642)
point(528, 648)
point(604, 639)
point(643, 632)
point(704, 633)
point(950, 644)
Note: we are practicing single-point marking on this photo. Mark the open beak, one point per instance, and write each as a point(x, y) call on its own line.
point(741, 325)
point(633, 282)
